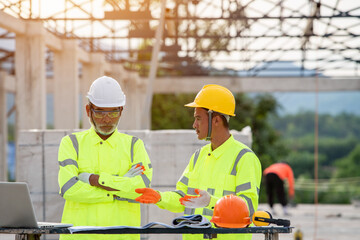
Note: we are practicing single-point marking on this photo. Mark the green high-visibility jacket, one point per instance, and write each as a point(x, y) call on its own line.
point(88, 205)
point(232, 168)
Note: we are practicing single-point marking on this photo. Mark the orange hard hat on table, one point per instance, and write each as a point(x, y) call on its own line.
point(231, 212)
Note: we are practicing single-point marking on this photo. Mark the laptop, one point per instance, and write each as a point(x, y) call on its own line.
point(16, 209)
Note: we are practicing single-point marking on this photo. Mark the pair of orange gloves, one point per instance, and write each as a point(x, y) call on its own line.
point(152, 196)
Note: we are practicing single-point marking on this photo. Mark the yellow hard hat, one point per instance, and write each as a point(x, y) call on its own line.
point(215, 97)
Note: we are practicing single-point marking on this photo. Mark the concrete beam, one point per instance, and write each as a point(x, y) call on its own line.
point(12, 24)
point(193, 84)
point(52, 41)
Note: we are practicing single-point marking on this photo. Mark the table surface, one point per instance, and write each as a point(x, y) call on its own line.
point(122, 230)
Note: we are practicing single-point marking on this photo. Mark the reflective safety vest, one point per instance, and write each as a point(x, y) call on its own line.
point(93, 206)
point(232, 168)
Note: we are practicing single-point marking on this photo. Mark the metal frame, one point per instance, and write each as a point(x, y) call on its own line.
point(270, 233)
point(318, 35)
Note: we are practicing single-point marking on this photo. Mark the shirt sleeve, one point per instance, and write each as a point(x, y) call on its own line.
point(126, 185)
point(71, 188)
point(248, 179)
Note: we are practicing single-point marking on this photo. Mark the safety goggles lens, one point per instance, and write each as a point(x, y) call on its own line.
point(102, 114)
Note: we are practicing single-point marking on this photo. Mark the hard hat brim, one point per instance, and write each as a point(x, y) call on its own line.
point(218, 223)
point(192, 104)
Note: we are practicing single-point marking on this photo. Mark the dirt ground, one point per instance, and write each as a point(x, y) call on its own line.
point(333, 222)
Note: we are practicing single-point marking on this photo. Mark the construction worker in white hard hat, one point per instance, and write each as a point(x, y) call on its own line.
point(100, 168)
point(223, 167)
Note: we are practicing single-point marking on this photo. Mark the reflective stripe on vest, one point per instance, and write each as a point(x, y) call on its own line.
point(184, 180)
point(191, 191)
point(181, 193)
point(241, 153)
point(67, 162)
point(225, 193)
point(75, 144)
point(243, 187)
point(72, 181)
point(125, 199)
point(211, 191)
point(133, 141)
point(250, 204)
point(207, 212)
point(143, 176)
point(196, 157)
point(189, 211)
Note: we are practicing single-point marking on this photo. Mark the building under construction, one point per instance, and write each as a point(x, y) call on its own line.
point(59, 47)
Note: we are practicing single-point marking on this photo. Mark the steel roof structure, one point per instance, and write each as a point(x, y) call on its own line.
point(205, 37)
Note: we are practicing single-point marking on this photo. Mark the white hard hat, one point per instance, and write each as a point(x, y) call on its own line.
point(106, 92)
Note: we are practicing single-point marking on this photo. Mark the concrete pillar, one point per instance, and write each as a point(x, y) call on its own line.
point(30, 77)
point(92, 70)
point(134, 88)
point(127, 121)
point(3, 129)
point(66, 86)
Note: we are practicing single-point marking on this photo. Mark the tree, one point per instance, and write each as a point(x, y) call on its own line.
point(255, 112)
point(349, 166)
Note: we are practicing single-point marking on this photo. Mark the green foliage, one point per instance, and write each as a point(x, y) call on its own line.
point(168, 111)
point(11, 132)
point(338, 154)
point(350, 164)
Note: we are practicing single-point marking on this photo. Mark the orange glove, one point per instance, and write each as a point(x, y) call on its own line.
point(149, 195)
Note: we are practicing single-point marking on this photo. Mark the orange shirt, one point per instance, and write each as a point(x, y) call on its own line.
point(284, 171)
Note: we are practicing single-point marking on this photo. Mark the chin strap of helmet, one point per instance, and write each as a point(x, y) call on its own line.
point(208, 138)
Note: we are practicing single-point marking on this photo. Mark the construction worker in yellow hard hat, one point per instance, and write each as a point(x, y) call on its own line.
point(223, 167)
point(101, 167)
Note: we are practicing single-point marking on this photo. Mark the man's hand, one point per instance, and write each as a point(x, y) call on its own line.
point(94, 181)
point(134, 171)
point(149, 195)
point(196, 201)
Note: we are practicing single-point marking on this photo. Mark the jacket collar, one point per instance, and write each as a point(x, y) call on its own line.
point(96, 139)
point(222, 148)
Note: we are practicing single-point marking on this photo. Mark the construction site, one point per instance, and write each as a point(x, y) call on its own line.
point(51, 51)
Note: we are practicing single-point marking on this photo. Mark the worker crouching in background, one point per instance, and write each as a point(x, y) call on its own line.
point(222, 167)
point(275, 175)
point(100, 168)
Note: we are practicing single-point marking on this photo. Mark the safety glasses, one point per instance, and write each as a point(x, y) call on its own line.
point(102, 114)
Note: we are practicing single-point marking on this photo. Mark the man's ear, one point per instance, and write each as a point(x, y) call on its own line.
point(216, 120)
point(121, 109)
point(88, 109)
